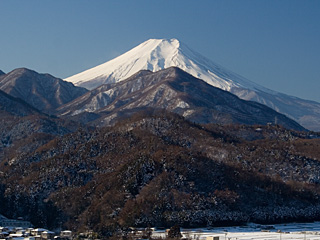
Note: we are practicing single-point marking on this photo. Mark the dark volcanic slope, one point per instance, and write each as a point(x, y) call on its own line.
point(177, 91)
point(160, 170)
point(41, 91)
point(1, 73)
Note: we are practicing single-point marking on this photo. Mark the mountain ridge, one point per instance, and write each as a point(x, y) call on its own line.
point(177, 91)
point(42, 91)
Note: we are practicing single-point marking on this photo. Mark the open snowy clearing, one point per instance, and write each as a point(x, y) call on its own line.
point(292, 231)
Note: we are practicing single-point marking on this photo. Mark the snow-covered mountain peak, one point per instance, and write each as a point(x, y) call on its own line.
point(153, 55)
point(163, 42)
point(157, 54)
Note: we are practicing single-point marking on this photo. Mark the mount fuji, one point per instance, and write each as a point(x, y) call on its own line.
point(158, 54)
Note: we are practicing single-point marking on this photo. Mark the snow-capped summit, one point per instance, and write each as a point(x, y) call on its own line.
point(157, 54)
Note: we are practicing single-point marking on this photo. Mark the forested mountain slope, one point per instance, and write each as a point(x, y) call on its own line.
point(158, 169)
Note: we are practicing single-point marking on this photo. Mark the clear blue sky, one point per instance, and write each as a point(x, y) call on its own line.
point(273, 43)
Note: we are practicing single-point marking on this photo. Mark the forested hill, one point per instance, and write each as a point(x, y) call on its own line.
point(157, 169)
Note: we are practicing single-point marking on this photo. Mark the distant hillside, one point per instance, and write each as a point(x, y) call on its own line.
point(24, 128)
point(174, 90)
point(157, 169)
point(15, 106)
point(42, 91)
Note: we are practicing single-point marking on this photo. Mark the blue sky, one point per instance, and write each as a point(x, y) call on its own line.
point(273, 43)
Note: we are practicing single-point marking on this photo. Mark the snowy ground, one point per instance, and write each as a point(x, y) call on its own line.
point(292, 231)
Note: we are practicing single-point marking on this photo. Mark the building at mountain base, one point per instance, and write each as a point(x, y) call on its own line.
point(6, 222)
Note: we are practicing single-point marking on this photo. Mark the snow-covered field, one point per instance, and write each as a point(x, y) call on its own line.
point(302, 231)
